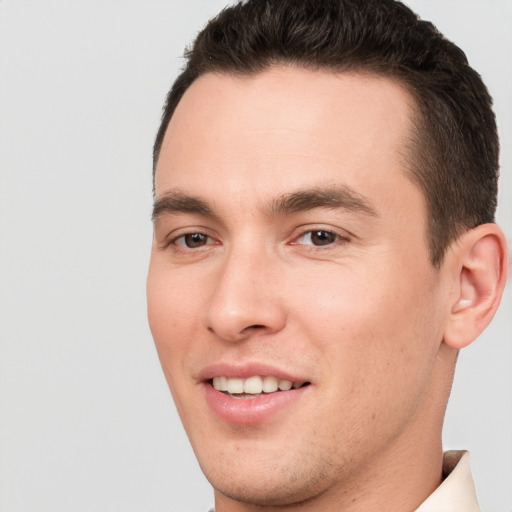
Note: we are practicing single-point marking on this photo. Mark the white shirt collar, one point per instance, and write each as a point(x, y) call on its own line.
point(457, 492)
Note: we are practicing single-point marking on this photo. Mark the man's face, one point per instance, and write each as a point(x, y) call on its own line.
point(290, 246)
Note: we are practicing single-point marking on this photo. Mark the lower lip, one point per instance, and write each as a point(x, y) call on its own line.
point(250, 410)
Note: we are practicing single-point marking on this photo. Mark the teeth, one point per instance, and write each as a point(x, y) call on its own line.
point(253, 385)
point(285, 385)
point(235, 386)
point(270, 384)
point(220, 383)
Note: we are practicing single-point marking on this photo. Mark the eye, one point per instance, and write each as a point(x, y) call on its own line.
point(192, 240)
point(318, 238)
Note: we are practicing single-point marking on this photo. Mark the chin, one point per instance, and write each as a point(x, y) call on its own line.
point(266, 494)
point(270, 485)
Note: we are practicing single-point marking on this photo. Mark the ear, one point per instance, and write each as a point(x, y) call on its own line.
point(479, 262)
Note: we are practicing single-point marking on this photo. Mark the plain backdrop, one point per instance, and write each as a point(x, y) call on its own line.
point(86, 419)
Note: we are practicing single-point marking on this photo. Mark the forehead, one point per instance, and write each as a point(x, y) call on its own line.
point(285, 128)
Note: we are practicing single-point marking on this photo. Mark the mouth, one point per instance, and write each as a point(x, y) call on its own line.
point(254, 386)
point(253, 393)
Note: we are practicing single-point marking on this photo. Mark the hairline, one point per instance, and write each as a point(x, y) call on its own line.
point(354, 69)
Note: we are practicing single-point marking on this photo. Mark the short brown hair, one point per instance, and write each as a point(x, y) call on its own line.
point(454, 151)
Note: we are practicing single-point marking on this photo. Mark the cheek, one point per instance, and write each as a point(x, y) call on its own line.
point(171, 312)
point(172, 297)
point(170, 321)
point(373, 327)
point(345, 305)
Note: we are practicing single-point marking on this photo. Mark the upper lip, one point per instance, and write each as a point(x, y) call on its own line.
point(246, 370)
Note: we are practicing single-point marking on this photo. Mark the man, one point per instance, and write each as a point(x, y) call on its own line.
point(325, 183)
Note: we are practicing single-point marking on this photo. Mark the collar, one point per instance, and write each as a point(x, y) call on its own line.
point(457, 492)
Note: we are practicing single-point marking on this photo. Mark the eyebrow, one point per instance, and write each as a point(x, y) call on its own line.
point(332, 197)
point(178, 202)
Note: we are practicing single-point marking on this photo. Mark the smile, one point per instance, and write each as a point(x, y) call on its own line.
point(242, 397)
point(253, 386)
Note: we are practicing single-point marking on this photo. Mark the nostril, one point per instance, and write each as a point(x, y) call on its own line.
point(253, 328)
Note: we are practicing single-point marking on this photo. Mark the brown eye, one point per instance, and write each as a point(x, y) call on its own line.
point(322, 237)
point(192, 240)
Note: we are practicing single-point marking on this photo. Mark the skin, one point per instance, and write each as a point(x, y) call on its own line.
point(362, 317)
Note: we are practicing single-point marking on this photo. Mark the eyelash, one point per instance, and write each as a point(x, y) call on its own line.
point(177, 246)
point(336, 238)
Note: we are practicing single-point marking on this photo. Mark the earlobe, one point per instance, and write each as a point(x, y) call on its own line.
point(480, 268)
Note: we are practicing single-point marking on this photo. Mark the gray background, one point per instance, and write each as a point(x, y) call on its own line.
point(86, 420)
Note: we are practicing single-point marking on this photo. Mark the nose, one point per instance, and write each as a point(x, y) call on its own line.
point(246, 298)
